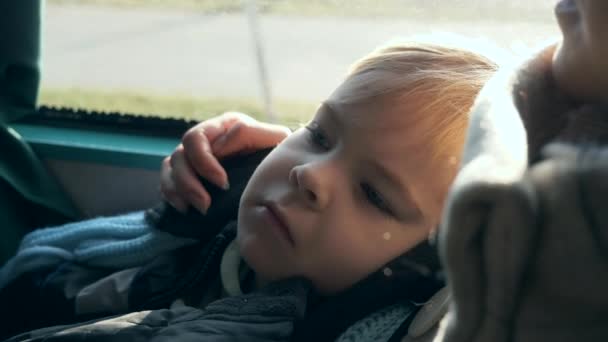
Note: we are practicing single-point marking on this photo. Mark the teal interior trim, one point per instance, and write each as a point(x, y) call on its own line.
point(110, 148)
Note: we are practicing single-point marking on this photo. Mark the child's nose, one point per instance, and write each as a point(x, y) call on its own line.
point(311, 180)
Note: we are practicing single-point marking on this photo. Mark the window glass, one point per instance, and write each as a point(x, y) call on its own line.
point(276, 59)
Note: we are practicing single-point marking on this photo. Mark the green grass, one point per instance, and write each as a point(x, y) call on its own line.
point(532, 10)
point(290, 113)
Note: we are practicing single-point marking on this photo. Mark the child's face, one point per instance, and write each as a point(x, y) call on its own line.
point(581, 61)
point(337, 200)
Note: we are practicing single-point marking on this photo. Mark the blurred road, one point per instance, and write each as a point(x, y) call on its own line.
point(212, 55)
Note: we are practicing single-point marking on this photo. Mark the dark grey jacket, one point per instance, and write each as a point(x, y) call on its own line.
point(267, 315)
point(524, 238)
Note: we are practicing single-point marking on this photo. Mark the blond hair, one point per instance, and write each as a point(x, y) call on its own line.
point(443, 81)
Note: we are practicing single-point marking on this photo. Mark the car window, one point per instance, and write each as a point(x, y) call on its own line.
point(275, 59)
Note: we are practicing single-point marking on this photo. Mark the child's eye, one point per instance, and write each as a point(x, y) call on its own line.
point(375, 199)
point(317, 136)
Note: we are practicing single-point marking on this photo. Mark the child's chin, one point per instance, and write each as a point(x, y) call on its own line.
point(262, 261)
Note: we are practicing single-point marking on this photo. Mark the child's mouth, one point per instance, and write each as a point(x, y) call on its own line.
point(278, 220)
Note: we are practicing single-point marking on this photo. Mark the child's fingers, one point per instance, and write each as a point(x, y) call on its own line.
point(187, 184)
point(200, 157)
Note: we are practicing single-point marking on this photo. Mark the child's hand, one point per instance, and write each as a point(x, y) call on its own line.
point(198, 154)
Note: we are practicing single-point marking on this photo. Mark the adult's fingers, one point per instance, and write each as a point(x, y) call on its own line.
point(243, 137)
point(168, 188)
point(186, 181)
point(199, 155)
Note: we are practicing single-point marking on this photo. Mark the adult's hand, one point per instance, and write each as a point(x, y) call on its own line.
point(201, 149)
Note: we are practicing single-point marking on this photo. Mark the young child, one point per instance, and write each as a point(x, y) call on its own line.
point(524, 239)
point(331, 225)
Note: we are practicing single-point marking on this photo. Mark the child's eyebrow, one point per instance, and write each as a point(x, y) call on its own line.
point(338, 117)
point(331, 112)
point(405, 203)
